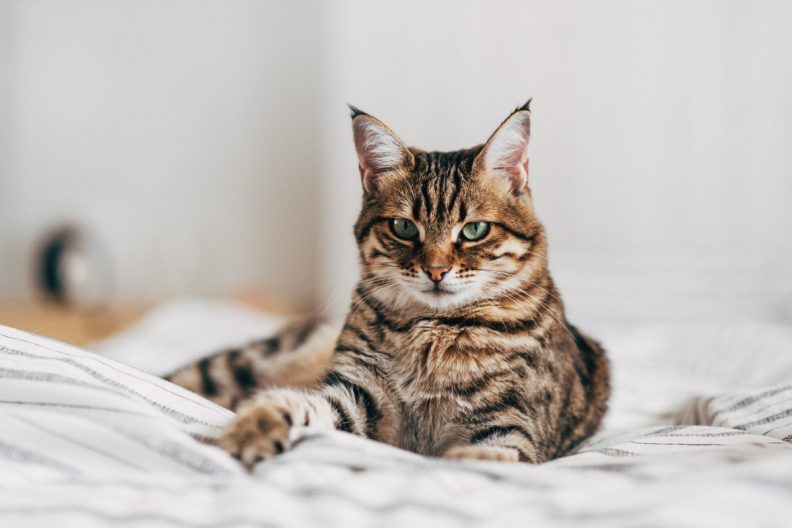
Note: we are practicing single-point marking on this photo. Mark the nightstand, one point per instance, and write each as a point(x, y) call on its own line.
point(67, 325)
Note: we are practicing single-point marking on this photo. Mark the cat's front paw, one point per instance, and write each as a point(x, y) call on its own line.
point(483, 452)
point(260, 431)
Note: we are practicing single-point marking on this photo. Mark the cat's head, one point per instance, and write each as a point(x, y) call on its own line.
point(444, 230)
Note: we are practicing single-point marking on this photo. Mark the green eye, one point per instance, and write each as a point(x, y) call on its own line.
point(475, 230)
point(404, 228)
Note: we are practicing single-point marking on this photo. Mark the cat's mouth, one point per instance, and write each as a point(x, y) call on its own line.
point(438, 290)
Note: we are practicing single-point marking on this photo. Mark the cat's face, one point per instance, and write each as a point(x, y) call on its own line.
point(445, 230)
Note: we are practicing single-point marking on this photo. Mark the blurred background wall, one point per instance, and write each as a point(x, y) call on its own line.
point(209, 144)
point(183, 134)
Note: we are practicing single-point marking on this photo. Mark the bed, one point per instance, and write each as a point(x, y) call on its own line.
point(698, 434)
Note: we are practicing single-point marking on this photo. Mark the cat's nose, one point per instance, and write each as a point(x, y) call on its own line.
point(436, 272)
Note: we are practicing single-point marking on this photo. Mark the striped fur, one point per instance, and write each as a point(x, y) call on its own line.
point(298, 356)
point(481, 364)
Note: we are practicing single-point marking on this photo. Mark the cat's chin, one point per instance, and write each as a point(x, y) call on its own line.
point(441, 300)
point(414, 301)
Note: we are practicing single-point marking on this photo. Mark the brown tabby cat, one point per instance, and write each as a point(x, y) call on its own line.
point(456, 344)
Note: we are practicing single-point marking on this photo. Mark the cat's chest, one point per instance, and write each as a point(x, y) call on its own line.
point(432, 364)
point(432, 359)
point(424, 360)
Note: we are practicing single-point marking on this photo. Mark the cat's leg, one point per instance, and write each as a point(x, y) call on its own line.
point(351, 400)
point(297, 356)
point(505, 442)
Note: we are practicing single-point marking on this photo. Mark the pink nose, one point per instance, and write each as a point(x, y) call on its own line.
point(436, 273)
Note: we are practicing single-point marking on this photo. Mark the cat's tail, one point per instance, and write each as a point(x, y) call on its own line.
point(297, 356)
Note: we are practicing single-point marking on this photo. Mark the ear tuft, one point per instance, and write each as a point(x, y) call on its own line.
point(355, 111)
point(526, 106)
point(505, 155)
point(379, 149)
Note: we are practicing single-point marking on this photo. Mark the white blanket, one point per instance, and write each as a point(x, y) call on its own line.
point(88, 441)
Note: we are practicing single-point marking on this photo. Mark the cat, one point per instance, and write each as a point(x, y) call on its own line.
point(456, 343)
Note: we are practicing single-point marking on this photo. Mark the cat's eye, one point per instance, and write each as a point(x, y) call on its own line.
point(475, 230)
point(403, 228)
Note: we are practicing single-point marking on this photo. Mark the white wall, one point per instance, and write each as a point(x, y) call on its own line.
point(6, 282)
point(209, 142)
point(661, 160)
point(180, 132)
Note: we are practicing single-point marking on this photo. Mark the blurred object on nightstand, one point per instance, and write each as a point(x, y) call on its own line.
point(75, 269)
point(73, 274)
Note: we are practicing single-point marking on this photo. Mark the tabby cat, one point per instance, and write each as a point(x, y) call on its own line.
point(456, 343)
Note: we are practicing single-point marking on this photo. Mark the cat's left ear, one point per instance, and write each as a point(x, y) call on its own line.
point(381, 153)
point(505, 154)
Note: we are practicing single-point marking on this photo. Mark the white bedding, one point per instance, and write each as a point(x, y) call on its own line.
point(698, 435)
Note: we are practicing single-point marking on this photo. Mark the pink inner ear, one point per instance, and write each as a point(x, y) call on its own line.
point(507, 150)
point(378, 150)
point(518, 175)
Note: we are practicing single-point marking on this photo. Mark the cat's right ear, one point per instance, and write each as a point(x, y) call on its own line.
point(380, 152)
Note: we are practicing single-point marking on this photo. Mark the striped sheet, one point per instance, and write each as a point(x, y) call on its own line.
point(87, 441)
